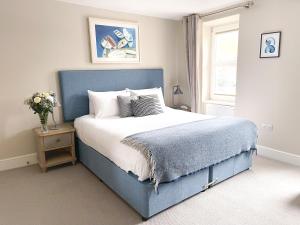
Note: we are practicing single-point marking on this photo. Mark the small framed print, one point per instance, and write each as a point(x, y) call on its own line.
point(270, 45)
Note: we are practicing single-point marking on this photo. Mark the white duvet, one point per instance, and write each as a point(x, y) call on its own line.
point(105, 134)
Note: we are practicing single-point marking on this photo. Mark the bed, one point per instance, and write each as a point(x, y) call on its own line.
point(133, 185)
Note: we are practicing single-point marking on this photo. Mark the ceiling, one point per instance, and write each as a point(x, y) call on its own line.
point(170, 9)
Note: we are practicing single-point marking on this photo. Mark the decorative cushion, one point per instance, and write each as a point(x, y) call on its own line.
point(146, 106)
point(151, 91)
point(125, 105)
point(154, 96)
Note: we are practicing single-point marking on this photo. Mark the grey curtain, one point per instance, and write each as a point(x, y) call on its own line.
point(193, 41)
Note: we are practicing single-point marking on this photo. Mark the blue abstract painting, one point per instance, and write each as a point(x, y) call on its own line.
point(111, 39)
point(270, 45)
point(113, 43)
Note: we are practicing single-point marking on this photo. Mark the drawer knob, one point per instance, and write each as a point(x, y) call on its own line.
point(57, 140)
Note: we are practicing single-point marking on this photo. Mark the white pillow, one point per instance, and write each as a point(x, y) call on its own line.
point(105, 104)
point(151, 91)
point(91, 104)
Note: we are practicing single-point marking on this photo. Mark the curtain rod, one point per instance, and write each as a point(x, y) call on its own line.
point(246, 5)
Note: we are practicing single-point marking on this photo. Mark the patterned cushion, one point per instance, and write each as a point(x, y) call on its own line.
point(146, 105)
point(151, 91)
point(154, 96)
point(125, 105)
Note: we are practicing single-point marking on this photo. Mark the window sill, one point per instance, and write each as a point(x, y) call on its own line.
point(223, 103)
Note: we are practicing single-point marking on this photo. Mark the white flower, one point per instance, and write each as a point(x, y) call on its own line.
point(46, 94)
point(37, 100)
point(50, 98)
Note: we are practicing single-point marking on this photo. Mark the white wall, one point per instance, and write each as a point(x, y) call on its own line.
point(268, 89)
point(38, 38)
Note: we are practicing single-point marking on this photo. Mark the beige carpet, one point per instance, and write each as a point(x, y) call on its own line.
point(269, 194)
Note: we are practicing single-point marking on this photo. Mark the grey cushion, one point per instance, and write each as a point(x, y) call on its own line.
point(154, 96)
point(146, 105)
point(125, 105)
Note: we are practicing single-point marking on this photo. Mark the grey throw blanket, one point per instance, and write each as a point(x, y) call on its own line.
point(183, 149)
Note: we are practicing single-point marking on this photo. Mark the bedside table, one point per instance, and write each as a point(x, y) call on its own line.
point(55, 147)
point(187, 109)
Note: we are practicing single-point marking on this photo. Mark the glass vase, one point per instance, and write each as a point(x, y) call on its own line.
point(44, 121)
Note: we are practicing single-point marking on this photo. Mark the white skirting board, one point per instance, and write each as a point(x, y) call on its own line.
point(18, 161)
point(278, 155)
point(30, 159)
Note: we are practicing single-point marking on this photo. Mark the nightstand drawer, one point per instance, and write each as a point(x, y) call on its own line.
point(57, 141)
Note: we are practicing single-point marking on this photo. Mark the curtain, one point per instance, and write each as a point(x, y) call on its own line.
point(193, 43)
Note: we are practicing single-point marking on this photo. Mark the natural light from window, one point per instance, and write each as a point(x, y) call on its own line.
point(221, 48)
point(224, 62)
point(219, 62)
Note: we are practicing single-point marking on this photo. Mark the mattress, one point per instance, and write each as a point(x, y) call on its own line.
point(105, 135)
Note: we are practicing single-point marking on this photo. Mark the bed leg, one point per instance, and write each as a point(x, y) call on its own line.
point(144, 218)
point(209, 185)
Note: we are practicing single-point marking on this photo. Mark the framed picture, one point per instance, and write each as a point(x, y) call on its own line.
point(270, 45)
point(114, 41)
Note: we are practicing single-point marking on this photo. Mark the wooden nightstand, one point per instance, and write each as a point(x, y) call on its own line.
point(56, 146)
point(185, 108)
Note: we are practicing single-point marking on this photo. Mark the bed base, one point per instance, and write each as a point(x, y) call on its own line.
point(141, 195)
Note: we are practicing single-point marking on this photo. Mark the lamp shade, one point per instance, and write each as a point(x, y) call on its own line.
point(177, 90)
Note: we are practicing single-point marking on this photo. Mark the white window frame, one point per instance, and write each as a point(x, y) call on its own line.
point(216, 30)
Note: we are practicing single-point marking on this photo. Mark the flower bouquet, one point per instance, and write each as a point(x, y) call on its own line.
point(42, 103)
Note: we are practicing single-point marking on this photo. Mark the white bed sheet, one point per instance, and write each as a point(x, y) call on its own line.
point(105, 135)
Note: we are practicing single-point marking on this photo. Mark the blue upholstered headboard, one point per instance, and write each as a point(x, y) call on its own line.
point(74, 85)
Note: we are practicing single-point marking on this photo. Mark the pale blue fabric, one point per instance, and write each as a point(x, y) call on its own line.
point(74, 85)
point(141, 195)
point(183, 149)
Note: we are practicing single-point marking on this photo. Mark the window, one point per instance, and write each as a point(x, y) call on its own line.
point(223, 62)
